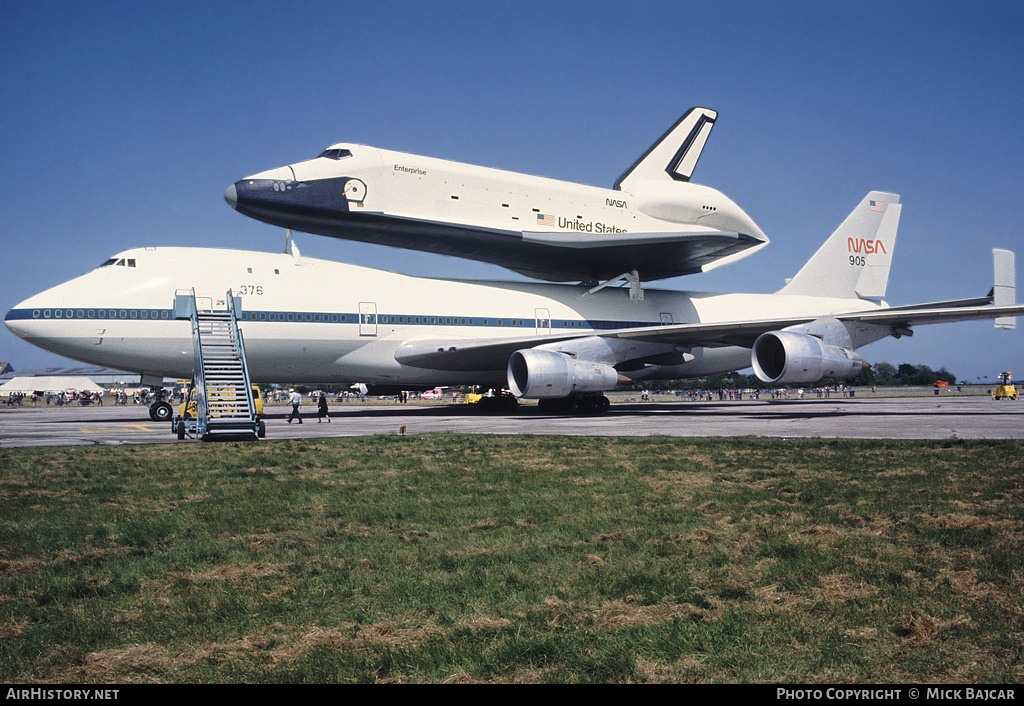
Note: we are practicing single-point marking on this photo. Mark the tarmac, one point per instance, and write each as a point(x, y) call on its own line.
point(947, 417)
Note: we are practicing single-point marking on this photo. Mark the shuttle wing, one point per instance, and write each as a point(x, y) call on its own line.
point(554, 256)
point(573, 257)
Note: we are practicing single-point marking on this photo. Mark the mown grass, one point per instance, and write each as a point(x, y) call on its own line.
point(467, 558)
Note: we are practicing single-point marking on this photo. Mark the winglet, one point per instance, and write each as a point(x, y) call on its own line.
point(854, 262)
point(1004, 290)
point(675, 154)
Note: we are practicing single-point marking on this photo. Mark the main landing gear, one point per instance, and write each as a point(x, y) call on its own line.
point(576, 405)
point(503, 401)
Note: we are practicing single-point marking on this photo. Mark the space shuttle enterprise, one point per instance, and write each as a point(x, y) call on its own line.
point(654, 223)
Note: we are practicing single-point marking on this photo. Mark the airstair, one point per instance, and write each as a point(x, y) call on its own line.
point(220, 400)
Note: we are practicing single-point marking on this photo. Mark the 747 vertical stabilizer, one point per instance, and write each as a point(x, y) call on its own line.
point(854, 262)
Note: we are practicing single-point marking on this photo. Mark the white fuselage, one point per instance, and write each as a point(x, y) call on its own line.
point(308, 320)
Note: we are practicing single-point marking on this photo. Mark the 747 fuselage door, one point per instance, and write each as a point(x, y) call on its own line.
point(543, 317)
point(367, 319)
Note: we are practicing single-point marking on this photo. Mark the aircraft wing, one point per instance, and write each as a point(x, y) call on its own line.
point(493, 354)
point(469, 353)
point(919, 317)
point(744, 333)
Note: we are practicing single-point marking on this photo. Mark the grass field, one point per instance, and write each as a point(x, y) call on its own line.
point(466, 558)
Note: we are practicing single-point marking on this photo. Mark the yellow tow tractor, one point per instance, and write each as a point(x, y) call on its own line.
point(1005, 389)
point(187, 410)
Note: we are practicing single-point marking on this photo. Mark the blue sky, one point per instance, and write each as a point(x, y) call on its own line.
point(123, 123)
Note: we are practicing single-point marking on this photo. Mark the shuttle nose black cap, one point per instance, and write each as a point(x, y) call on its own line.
point(231, 196)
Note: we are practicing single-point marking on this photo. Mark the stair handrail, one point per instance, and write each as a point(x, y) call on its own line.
point(235, 306)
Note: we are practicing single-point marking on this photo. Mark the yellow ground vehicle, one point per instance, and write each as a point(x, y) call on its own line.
point(1006, 389)
point(187, 409)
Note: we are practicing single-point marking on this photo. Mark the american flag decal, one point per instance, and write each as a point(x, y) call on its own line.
point(545, 219)
point(878, 206)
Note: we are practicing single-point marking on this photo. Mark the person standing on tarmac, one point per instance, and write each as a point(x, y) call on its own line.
point(296, 399)
point(322, 409)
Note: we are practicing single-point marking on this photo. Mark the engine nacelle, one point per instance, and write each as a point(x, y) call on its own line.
point(789, 357)
point(542, 375)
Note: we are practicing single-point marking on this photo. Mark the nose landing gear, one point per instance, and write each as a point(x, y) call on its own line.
point(160, 410)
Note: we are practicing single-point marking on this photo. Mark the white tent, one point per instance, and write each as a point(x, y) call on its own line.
point(58, 383)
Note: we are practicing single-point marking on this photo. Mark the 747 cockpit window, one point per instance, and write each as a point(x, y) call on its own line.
point(121, 262)
point(335, 154)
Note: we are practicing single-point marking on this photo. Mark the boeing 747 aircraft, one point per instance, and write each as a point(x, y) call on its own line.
point(653, 224)
point(562, 344)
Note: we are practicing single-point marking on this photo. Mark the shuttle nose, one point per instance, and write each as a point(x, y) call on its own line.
point(231, 196)
point(277, 198)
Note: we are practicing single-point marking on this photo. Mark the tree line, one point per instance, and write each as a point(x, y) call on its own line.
point(879, 375)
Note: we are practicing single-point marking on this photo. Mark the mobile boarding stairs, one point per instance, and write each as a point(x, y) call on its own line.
point(220, 400)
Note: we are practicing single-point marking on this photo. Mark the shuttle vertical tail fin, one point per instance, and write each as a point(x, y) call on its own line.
point(675, 154)
point(854, 262)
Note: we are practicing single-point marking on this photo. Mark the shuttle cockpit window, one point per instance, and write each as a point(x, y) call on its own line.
point(335, 154)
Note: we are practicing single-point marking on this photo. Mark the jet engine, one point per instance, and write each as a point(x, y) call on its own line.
point(790, 357)
point(538, 374)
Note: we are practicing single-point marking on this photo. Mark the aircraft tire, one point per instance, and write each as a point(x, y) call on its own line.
point(503, 403)
point(575, 405)
point(161, 412)
point(599, 404)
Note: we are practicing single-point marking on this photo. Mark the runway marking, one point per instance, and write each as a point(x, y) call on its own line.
point(97, 430)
